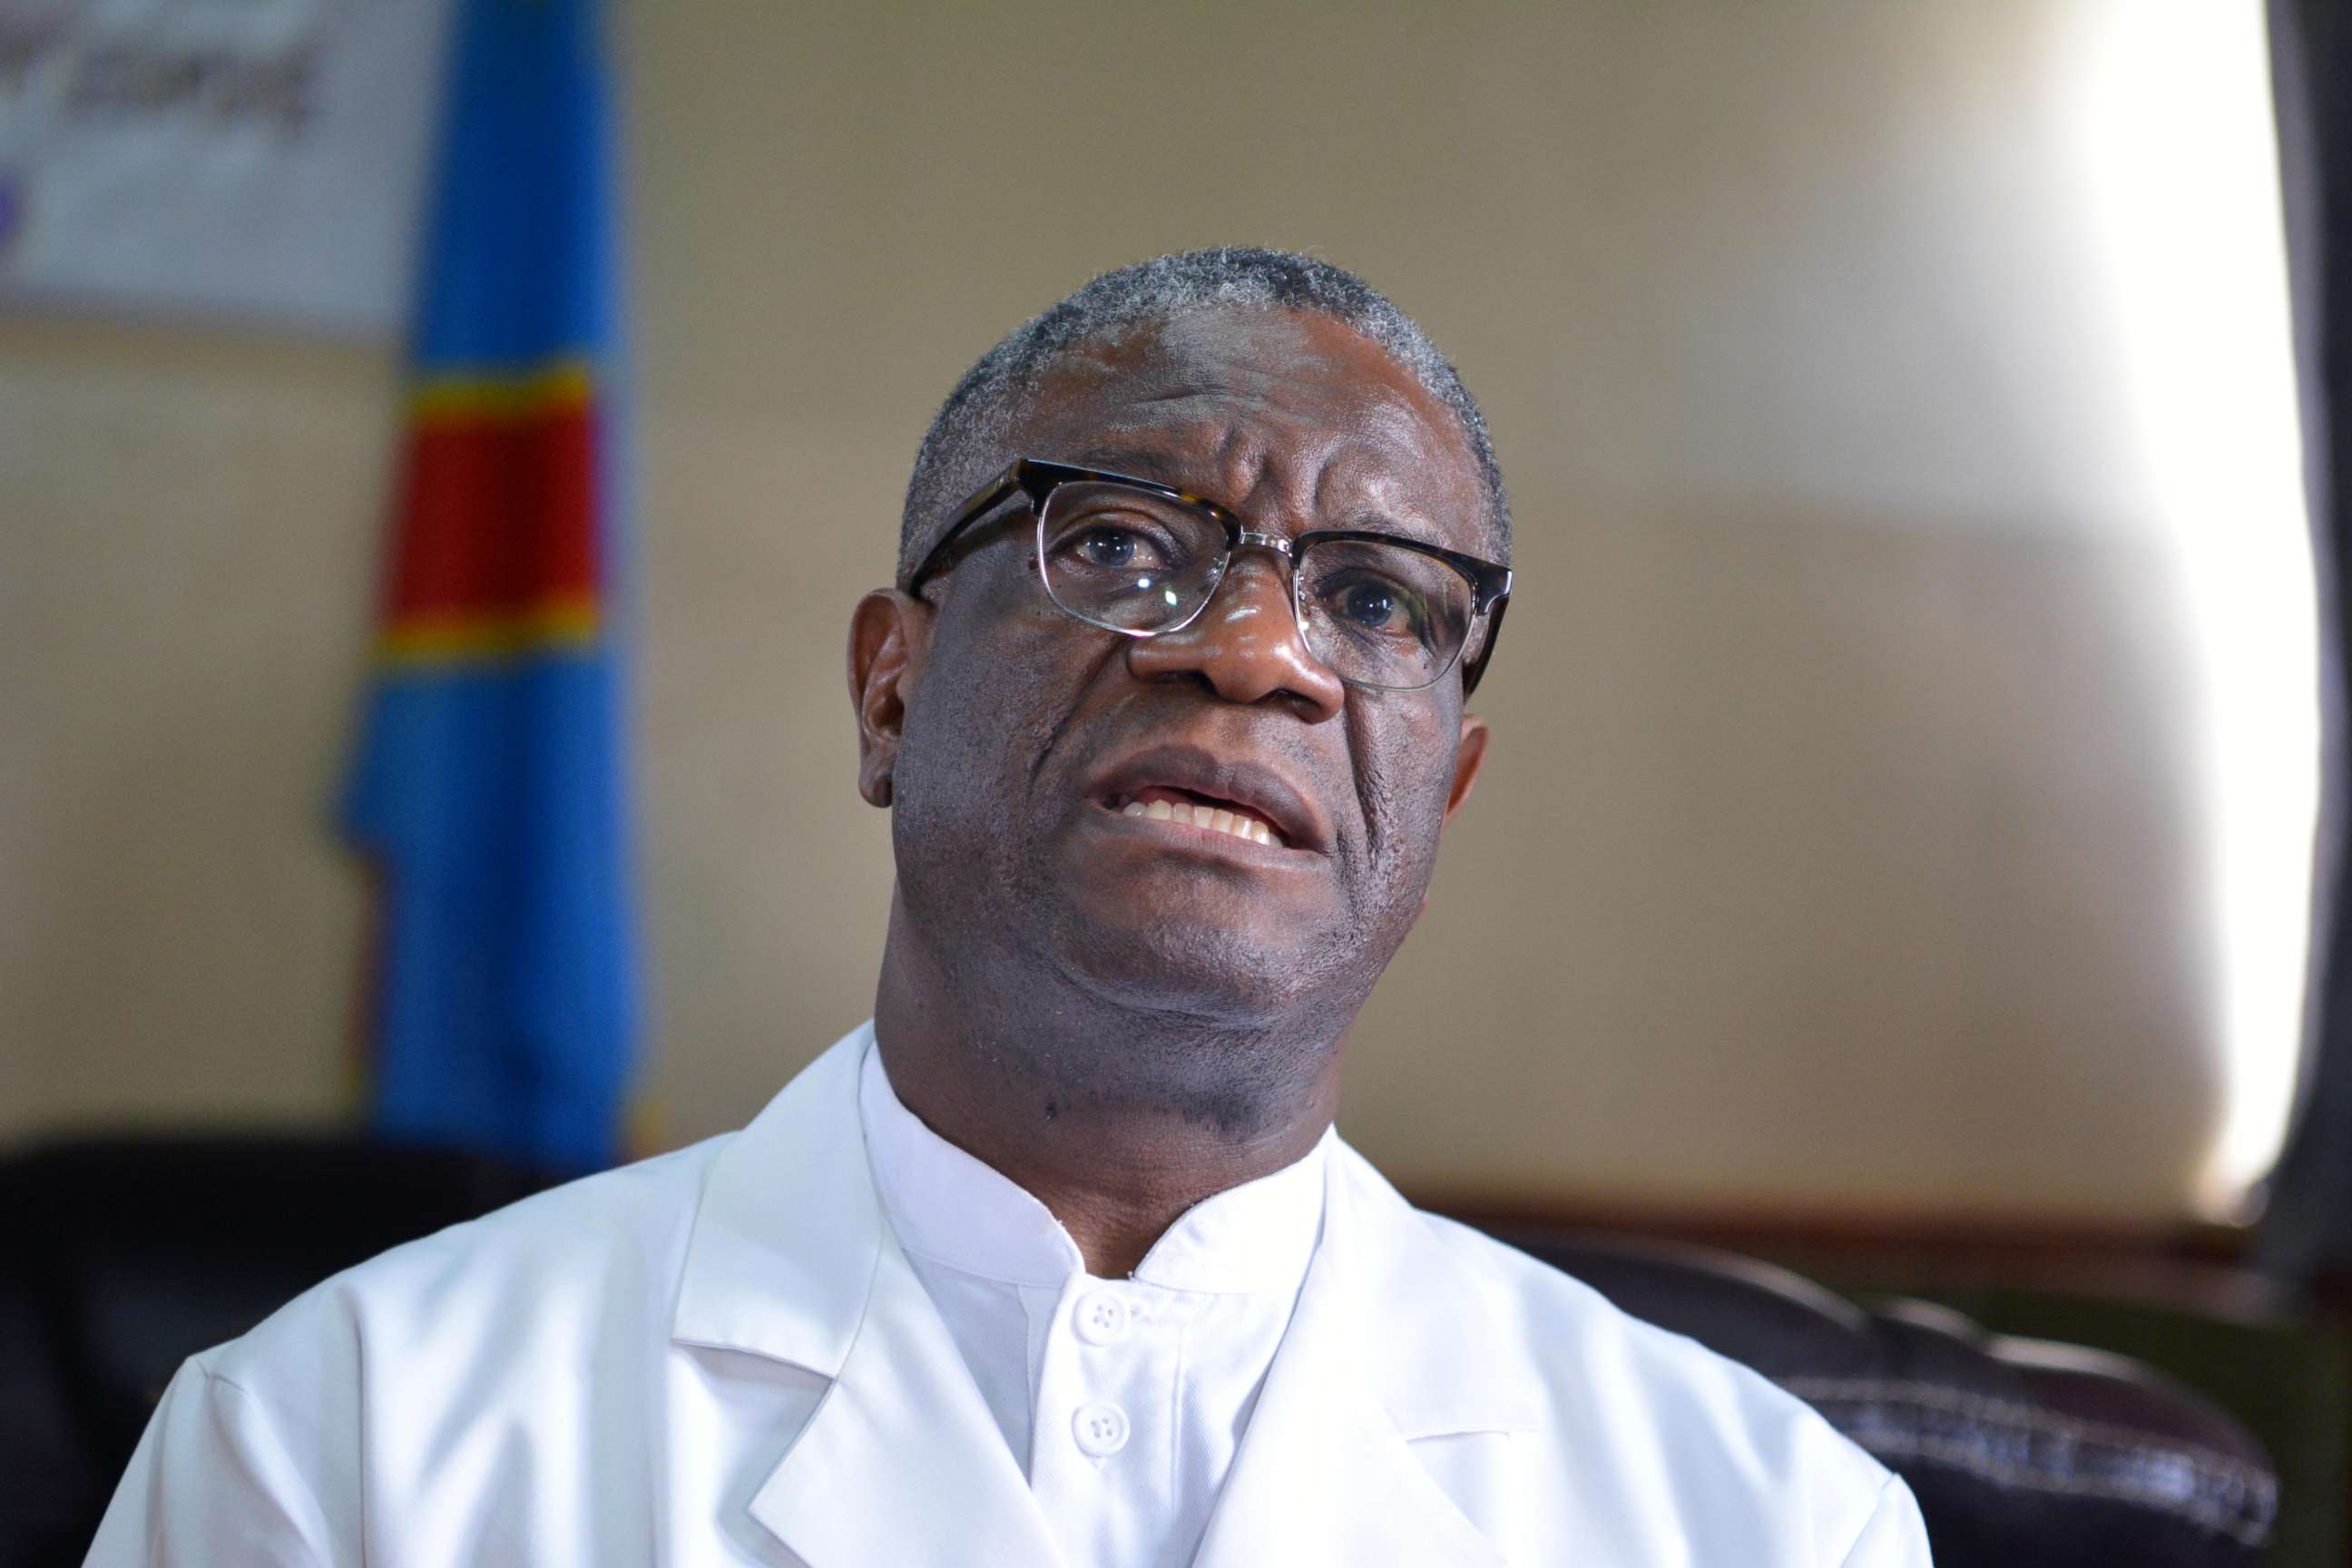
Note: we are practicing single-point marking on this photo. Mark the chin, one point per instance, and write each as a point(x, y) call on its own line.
point(1228, 979)
point(1200, 1025)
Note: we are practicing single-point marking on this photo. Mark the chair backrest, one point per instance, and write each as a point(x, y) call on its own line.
point(2022, 1453)
point(126, 1256)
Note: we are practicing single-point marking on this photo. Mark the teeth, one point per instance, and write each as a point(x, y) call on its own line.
point(1217, 818)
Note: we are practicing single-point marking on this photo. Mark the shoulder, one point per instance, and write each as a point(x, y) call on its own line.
point(269, 1447)
point(1582, 1347)
point(584, 1277)
point(537, 1274)
point(1612, 1409)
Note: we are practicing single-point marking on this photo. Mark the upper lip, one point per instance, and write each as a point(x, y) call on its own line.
point(1251, 785)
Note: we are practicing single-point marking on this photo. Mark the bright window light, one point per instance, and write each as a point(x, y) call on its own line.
point(2180, 162)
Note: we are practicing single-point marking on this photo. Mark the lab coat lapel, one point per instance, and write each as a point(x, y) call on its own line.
point(1325, 1473)
point(792, 1259)
point(902, 1463)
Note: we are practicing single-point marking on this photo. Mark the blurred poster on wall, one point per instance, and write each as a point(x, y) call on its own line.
point(244, 160)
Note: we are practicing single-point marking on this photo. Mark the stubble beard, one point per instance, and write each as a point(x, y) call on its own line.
point(1200, 1023)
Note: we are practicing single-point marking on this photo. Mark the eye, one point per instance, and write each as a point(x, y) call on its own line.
point(1371, 605)
point(1113, 548)
point(1106, 533)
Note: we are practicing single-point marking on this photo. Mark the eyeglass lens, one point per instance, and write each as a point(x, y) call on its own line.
point(1374, 614)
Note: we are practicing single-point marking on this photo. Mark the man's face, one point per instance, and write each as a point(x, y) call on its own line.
point(1028, 736)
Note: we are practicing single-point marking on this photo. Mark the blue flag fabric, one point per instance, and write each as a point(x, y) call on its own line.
point(488, 788)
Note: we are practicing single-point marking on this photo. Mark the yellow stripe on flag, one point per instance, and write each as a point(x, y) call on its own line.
point(554, 625)
point(555, 386)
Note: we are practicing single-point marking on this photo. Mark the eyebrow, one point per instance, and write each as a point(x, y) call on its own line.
point(1142, 463)
point(1145, 464)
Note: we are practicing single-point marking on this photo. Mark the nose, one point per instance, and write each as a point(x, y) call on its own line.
point(1245, 645)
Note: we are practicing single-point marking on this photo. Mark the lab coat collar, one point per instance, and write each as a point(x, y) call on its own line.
point(946, 1207)
point(1445, 1359)
point(782, 1258)
point(791, 1258)
point(1325, 1472)
point(902, 1462)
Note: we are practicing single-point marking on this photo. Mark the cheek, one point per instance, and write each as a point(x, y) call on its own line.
point(1404, 771)
point(991, 695)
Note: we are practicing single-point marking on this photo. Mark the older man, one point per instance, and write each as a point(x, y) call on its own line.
point(1059, 1259)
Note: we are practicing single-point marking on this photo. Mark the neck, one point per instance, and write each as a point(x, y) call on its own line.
point(1017, 1076)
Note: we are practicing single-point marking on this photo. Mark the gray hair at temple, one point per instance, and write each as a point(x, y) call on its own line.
point(967, 439)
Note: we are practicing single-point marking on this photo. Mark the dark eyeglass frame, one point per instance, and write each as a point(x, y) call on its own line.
point(1036, 479)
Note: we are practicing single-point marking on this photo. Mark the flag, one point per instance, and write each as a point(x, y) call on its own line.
point(487, 790)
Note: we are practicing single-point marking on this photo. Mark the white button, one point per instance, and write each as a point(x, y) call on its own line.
point(1101, 1429)
point(1101, 1317)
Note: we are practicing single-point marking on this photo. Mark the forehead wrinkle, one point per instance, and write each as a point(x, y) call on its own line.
point(1370, 510)
point(1141, 462)
point(1235, 469)
point(1261, 455)
point(1172, 469)
point(1239, 492)
point(1234, 457)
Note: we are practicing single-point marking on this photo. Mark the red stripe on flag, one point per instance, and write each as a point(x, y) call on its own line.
point(497, 515)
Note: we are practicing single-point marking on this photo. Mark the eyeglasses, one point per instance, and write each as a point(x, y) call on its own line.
point(1142, 560)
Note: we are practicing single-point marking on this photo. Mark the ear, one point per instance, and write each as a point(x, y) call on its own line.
point(889, 633)
point(1469, 756)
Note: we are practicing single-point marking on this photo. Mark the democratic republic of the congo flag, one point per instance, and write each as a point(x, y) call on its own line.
point(488, 791)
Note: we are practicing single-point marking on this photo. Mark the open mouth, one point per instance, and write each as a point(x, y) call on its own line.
point(1162, 803)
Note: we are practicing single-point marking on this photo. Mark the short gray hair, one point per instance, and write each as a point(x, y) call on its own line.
point(967, 437)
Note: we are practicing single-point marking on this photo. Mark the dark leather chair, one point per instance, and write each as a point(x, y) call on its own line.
point(123, 1256)
point(2026, 1453)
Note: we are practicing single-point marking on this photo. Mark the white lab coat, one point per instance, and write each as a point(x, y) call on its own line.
point(722, 1356)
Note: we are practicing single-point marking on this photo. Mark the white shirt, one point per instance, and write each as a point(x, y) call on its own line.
point(1124, 1401)
point(723, 1356)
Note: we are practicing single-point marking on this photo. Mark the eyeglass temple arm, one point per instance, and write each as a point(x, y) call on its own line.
point(1472, 671)
point(978, 507)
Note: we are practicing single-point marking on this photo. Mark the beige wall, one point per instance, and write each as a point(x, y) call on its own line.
point(1839, 843)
